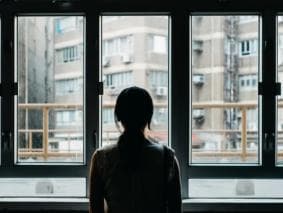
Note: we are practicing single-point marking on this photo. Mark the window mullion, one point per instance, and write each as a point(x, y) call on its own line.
point(180, 88)
point(7, 64)
point(268, 98)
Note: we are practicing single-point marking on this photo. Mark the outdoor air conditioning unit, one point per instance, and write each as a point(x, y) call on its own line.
point(161, 91)
point(113, 91)
point(198, 113)
point(198, 79)
point(105, 61)
point(126, 58)
point(197, 45)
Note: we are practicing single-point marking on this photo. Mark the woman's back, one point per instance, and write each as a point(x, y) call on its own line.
point(140, 190)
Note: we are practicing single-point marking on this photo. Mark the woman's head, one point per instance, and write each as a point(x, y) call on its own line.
point(134, 108)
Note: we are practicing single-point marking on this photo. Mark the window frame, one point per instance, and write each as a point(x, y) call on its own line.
point(8, 167)
point(180, 61)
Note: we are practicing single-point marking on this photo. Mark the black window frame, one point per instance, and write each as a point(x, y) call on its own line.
point(180, 76)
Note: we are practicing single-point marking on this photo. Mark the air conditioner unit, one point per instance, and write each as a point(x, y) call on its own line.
point(113, 91)
point(105, 61)
point(197, 45)
point(126, 58)
point(161, 91)
point(198, 79)
point(198, 113)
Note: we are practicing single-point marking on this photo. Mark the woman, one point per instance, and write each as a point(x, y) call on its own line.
point(135, 175)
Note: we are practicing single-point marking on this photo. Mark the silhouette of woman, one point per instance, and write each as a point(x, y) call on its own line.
point(135, 175)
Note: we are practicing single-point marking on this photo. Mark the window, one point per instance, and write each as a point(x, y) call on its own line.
point(118, 46)
point(214, 78)
point(248, 82)
point(108, 116)
point(68, 86)
point(248, 47)
point(48, 130)
point(67, 24)
point(143, 72)
point(69, 54)
point(119, 80)
point(158, 44)
point(67, 118)
point(157, 79)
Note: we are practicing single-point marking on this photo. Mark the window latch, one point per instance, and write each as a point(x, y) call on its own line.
point(15, 88)
point(269, 139)
point(100, 88)
point(7, 140)
point(278, 88)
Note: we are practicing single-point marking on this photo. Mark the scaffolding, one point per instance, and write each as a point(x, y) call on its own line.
point(231, 75)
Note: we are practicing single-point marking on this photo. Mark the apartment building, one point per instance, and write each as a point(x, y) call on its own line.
point(135, 52)
point(225, 70)
point(50, 71)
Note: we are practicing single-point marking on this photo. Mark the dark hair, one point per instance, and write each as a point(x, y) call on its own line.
point(134, 109)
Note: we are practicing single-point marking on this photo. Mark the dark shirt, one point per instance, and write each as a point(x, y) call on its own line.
point(134, 191)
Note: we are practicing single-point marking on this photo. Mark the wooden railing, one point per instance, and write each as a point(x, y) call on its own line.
point(243, 152)
point(243, 107)
point(45, 152)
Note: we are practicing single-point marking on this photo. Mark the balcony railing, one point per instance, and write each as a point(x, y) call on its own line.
point(243, 152)
point(44, 152)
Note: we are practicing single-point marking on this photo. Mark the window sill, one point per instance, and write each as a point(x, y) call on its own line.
point(189, 205)
point(32, 204)
point(233, 205)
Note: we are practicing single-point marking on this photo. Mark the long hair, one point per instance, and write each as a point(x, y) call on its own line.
point(134, 109)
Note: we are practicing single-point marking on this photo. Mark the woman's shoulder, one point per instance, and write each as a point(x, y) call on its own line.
point(100, 153)
point(161, 146)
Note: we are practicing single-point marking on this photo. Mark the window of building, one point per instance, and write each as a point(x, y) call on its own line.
point(69, 54)
point(119, 80)
point(108, 115)
point(118, 46)
point(67, 118)
point(158, 44)
point(68, 86)
point(67, 24)
point(248, 82)
point(248, 47)
point(157, 78)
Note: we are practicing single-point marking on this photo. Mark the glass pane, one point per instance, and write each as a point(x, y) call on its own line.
point(235, 188)
point(135, 53)
point(225, 74)
point(279, 146)
point(43, 187)
point(50, 75)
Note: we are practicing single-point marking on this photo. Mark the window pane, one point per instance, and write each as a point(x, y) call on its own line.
point(135, 53)
point(224, 90)
point(279, 146)
point(43, 187)
point(50, 75)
